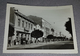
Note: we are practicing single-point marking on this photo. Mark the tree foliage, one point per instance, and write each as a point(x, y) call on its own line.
point(50, 37)
point(37, 34)
point(68, 26)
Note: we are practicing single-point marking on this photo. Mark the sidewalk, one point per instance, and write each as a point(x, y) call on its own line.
point(33, 45)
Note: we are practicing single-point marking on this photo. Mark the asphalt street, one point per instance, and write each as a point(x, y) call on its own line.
point(52, 45)
point(59, 45)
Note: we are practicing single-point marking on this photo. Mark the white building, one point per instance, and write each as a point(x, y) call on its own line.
point(46, 28)
point(23, 26)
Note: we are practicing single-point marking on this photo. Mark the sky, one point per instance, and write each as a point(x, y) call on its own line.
point(57, 16)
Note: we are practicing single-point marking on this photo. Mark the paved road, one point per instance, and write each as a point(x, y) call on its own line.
point(60, 45)
point(52, 45)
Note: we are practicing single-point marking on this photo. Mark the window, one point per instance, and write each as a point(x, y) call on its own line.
point(18, 22)
point(31, 26)
point(26, 24)
point(22, 23)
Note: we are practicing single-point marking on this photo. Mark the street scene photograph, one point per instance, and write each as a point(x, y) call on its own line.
point(40, 28)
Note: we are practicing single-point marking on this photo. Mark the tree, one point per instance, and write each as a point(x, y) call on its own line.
point(68, 27)
point(37, 34)
point(52, 30)
point(49, 37)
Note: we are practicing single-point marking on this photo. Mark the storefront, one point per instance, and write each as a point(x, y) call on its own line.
point(22, 37)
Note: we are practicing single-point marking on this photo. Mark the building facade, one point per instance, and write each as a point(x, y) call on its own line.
point(23, 27)
point(47, 28)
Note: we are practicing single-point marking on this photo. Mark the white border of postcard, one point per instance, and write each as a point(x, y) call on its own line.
point(63, 51)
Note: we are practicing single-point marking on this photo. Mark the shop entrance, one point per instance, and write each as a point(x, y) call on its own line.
point(22, 37)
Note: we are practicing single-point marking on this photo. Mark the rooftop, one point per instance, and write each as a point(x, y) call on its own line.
point(23, 16)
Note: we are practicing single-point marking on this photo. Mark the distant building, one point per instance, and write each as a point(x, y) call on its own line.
point(47, 28)
point(42, 25)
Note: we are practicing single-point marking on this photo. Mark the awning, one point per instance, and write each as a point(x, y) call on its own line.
point(22, 32)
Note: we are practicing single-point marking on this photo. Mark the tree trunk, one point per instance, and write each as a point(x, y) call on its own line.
point(36, 40)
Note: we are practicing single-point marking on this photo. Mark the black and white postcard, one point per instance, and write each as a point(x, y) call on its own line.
point(39, 29)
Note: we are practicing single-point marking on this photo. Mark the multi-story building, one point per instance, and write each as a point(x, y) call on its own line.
point(23, 26)
point(47, 28)
point(43, 25)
